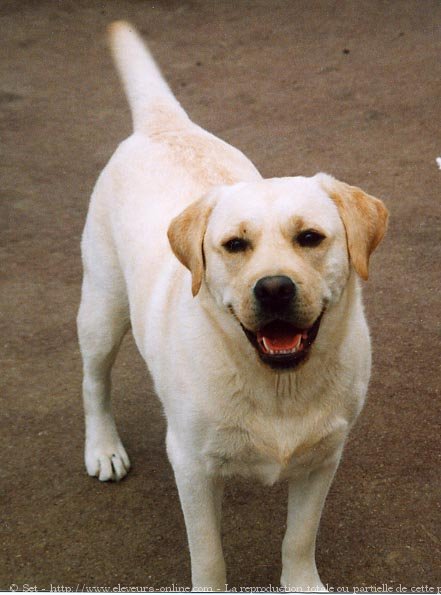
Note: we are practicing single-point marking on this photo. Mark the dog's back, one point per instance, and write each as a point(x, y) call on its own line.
point(158, 116)
point(167, 163)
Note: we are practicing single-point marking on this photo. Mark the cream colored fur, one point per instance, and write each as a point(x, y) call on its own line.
point(227, 412)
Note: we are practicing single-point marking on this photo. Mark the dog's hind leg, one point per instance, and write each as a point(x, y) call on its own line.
point(103, 320)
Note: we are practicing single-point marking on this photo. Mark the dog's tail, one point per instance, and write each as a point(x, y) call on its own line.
point(151, 101)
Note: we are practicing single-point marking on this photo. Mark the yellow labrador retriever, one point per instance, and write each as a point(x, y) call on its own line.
point(244, 299)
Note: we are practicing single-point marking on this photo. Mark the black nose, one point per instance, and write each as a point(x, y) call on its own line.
point(275, 292)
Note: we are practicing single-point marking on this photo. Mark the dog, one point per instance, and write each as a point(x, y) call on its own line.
point(243, 295)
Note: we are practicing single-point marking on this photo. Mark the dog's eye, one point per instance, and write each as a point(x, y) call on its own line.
point(310, 238)
point(236, 245)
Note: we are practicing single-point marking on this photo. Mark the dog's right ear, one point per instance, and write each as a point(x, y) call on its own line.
point(186, 236)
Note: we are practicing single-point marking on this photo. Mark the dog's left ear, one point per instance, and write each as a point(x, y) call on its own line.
point(186, 236)
point(364, 217)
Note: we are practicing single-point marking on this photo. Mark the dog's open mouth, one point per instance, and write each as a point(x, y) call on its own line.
point(280, 344)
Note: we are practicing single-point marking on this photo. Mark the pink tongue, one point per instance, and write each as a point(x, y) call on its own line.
point(279, 335)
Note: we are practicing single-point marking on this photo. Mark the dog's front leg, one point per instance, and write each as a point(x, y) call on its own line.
point(200, 494)
point(305, 504)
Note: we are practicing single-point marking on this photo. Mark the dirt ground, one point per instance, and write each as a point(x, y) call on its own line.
point(350, 88)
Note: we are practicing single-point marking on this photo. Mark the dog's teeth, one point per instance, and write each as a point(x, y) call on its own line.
point(270, 351)
point(282, 351)
point(265, 344)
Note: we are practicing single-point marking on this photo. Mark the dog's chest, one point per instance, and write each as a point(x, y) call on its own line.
point(272, 447)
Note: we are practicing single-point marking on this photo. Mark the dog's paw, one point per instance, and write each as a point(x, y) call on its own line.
point(108, 461)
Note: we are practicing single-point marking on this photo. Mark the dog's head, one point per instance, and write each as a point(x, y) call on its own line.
point(277, 253)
